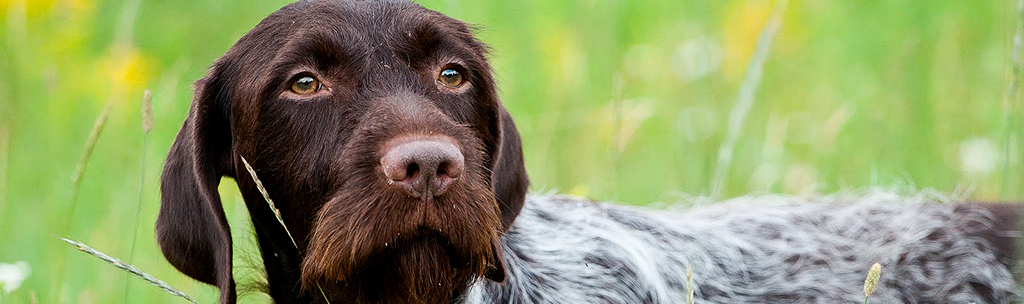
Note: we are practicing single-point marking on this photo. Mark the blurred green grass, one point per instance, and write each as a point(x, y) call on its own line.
point(616, 100)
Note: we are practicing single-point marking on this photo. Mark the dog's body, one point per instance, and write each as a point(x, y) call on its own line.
point(767, 249)
point(377, 130)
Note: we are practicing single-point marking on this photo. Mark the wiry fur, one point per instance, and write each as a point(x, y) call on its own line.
point(766, 249)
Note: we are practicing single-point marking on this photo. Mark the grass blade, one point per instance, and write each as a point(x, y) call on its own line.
point(1011, 98)
point(745, 98)
point(76, 186)
point(263, 191)
point(147, 125)
point(90, 144)
point(277, 213)
point(689, 285)
point(130, 269)
point(4, 146)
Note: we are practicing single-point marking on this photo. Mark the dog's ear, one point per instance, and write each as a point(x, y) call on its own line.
point(508, 174)
point(191, 228)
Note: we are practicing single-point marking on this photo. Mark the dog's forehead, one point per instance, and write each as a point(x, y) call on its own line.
point(356, 34)
point(352, 37)
point(359, 21)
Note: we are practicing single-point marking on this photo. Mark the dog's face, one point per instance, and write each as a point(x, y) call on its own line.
point(377, 131)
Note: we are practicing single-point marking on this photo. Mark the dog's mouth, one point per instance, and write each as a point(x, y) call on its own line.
point(447, 240)
point(425, 239)
point(422, 266)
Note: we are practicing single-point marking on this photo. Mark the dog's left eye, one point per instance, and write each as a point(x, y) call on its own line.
point(306, 85)
point(451, 78)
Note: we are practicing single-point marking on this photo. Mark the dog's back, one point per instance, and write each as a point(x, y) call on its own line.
point(767, 249)
point(1006, 233)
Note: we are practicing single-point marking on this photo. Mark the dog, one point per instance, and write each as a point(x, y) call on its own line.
point(376, 128)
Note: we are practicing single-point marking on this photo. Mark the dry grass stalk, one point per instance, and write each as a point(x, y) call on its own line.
point(745, 98)
point(266, 196)
point(90, 143)
point(277, 212)
point(689, 285)
point(76, 185)
point(147, 112)
point(130, 269)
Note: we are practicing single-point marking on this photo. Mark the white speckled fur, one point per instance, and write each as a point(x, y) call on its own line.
point(764, 249)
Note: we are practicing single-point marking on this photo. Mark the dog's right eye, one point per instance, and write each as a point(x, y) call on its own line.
point(306, 85)
point(451, 78)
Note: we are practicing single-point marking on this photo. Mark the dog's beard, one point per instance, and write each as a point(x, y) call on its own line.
point(421, 269)
point(370, 246)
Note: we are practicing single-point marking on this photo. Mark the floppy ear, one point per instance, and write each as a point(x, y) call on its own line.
point(191, 228)
point(508, 175)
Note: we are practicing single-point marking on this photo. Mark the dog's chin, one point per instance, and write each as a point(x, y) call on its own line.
point(389, 248)
point(421, 268)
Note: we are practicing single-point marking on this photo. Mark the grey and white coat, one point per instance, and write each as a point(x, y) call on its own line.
point(764, 249)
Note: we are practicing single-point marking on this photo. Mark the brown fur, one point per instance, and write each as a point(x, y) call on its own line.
point(359, 239)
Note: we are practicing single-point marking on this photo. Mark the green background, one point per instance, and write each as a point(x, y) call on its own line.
point(622, 100)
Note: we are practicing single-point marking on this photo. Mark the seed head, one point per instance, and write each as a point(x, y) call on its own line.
point(147, 111)
point(872, 280)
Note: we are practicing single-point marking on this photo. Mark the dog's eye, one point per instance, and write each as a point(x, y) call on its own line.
point(306, 85)
point(451, 78)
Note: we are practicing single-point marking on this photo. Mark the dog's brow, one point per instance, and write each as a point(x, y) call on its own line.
point(318, 51)
point(322, 47)
point(429, 43)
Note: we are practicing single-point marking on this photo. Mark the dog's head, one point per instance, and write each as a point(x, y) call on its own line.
point(376, 129)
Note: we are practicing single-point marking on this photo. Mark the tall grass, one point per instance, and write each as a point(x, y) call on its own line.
point(147, 125)
point(76, 187)
point(1011, 103)
point(3, 165)
point(745, 98)
point(83, 162)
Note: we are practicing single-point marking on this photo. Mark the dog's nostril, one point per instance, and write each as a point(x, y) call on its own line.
point(449, 170)
point(442, 169)
point(411, 170)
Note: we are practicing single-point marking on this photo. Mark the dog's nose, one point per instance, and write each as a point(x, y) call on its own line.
point(424, 167)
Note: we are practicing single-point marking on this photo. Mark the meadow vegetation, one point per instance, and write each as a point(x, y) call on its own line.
point(621, 100)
